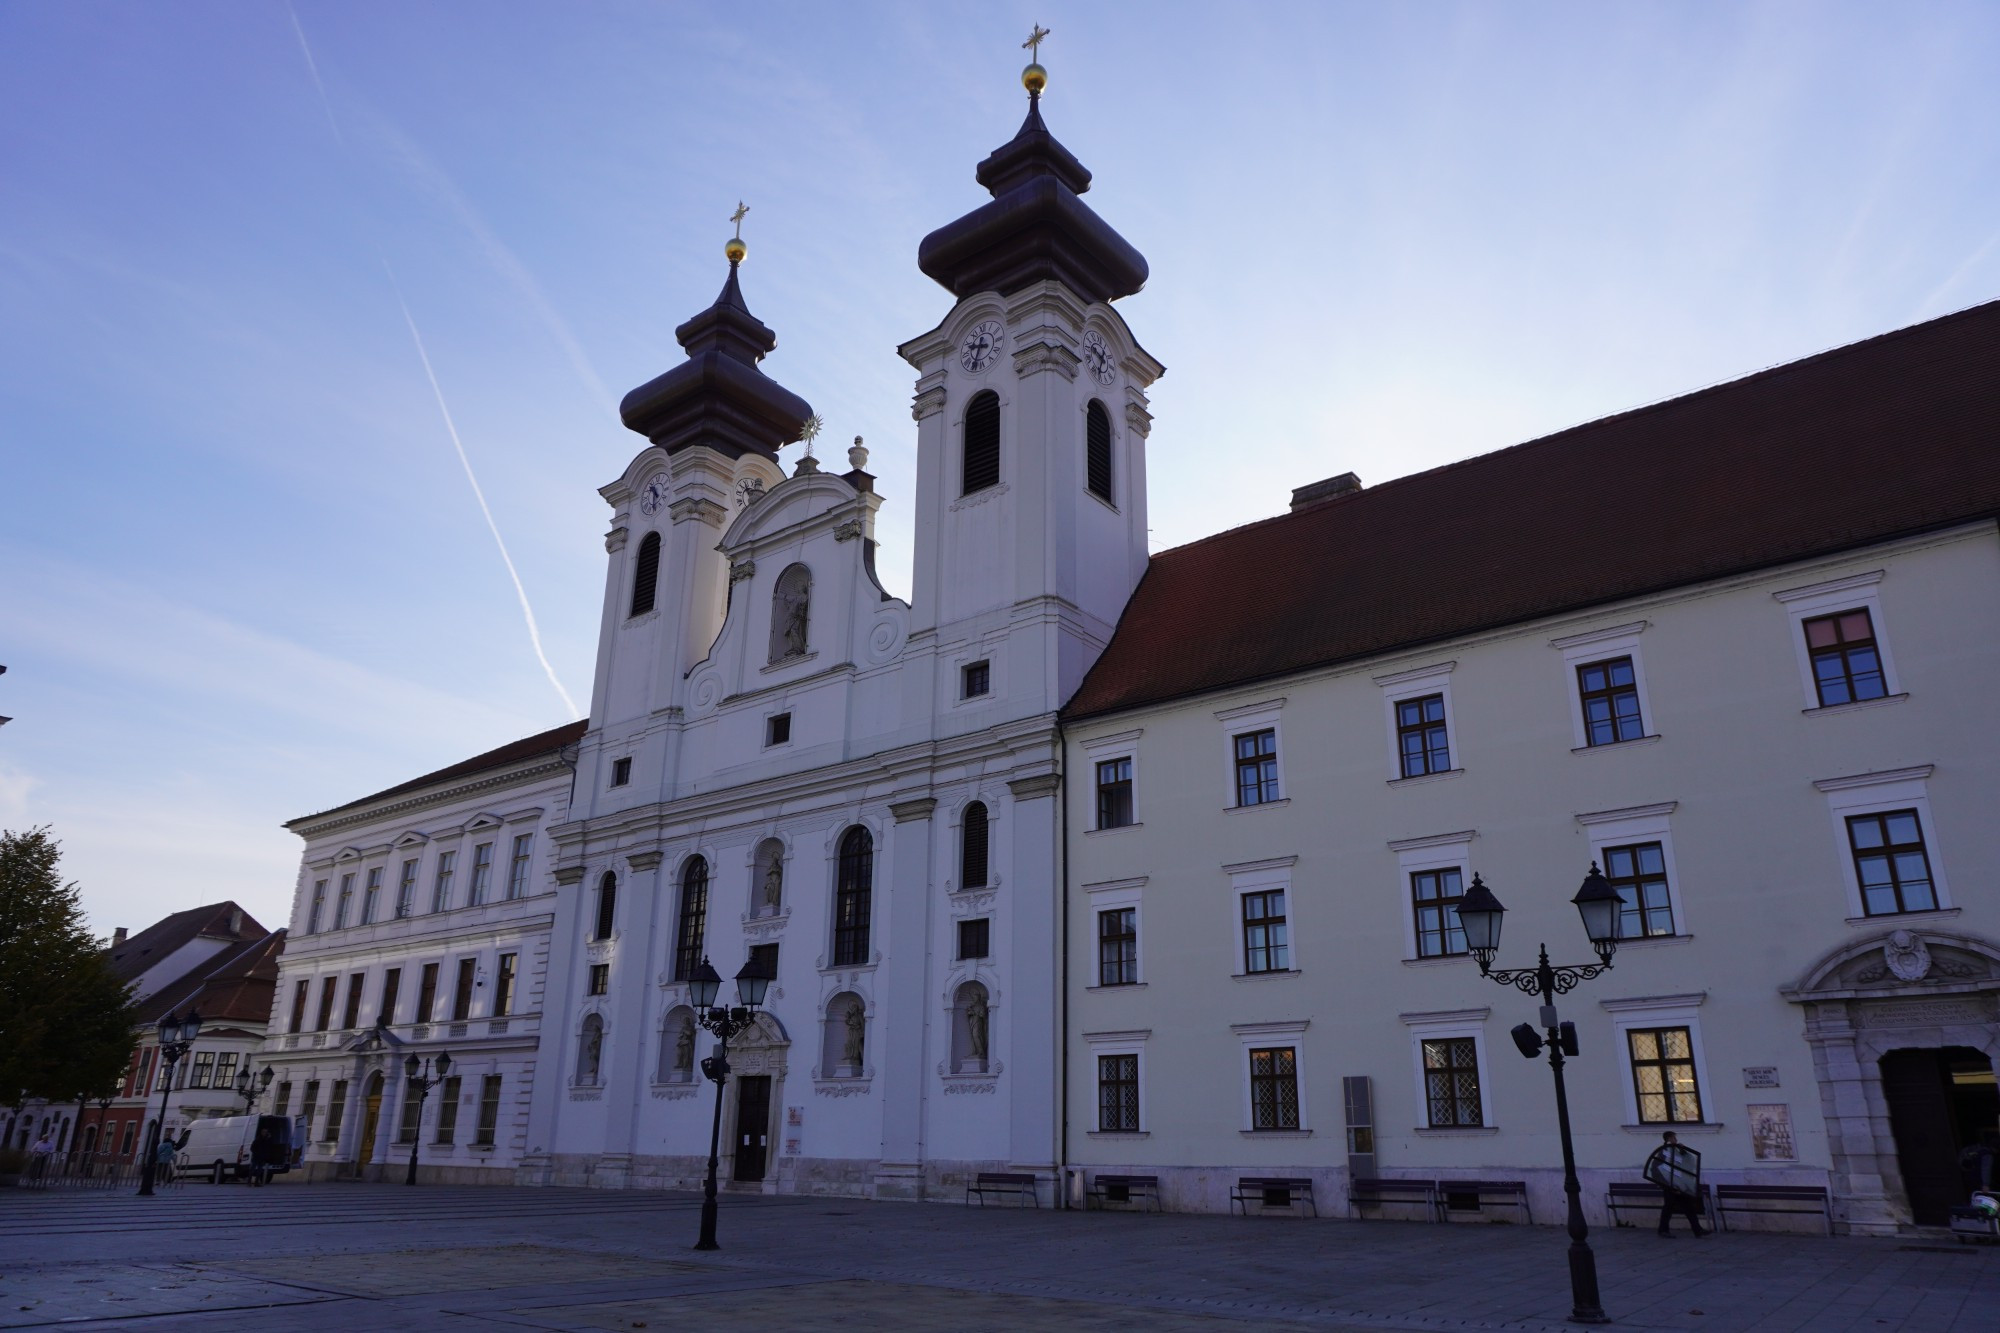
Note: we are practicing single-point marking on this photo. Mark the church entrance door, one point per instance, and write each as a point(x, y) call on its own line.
point(371, 1117)
point(1941, 1099)
point(753, 1126)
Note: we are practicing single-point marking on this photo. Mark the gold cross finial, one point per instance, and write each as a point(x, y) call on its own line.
point(737, 217)
point(1033, 46)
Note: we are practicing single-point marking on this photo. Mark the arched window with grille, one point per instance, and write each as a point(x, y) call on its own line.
point(1097, 450)
point(693, 919)
point(851, 898)
point(982, 442)
point(646, 575)
point(972, 848)
point(607, 906)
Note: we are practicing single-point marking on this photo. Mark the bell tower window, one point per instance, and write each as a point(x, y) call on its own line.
point(646, 575)
point(1097, 450)
point(982, 442)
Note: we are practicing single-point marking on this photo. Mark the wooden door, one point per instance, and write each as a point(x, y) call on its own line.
point(1914, 1083)
point(753, 1127)
point(371, 1116)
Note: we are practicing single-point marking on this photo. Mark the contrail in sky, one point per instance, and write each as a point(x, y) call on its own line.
point(527, 611)
point(312, 67)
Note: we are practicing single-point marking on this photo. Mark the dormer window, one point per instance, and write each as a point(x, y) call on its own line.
point(646, 575)
point(982, 442)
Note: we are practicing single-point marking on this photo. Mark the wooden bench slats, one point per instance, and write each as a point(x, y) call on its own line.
point(1367, 1190)
point(1021, 1184)
point(1273, 1192)
point(1109, 1189)
point(1768, 1198)
point(1645, 1195)
point(1503, 1193)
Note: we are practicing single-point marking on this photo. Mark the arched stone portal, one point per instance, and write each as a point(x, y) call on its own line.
point(757, 1061)
point(1903, 990)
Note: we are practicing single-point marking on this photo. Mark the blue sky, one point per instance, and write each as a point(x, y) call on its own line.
point(243, 575)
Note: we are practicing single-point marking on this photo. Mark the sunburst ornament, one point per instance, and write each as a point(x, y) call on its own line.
point(810, 431)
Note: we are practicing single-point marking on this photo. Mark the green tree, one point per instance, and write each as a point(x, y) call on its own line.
point(65, 1018)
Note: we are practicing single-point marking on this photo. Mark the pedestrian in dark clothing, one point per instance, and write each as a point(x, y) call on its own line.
point(266, 1155)
point(1676, 1169)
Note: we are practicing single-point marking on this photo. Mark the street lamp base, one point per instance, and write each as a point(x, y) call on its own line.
point(1584, 1306)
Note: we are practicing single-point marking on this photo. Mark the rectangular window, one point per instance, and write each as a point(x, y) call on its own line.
point(1846, 661)
point(371, 897)
point(318, 906)
point(300, 992)
point(204, 1069)
point(600, 979)
point(517, 870)
point(413, 1111)
point(1274, 1088)
point(503, 987)
point(441, 886)
point(621, 772)
point(1639, 874)
point(1118, 947)
point(489, 1110)
point(978, 679)
point(482, 874)
point(1663, 1075)
point(1609, 694)
point(1114, 793)
point(283, 1103)
point(351, 1014)
point(1434, 895)
point(1257, 767)
point(1118, 1093)
point(1264, 932)
point(336, 1110)
point(345, 901)
point(225, 1070)
point(461, 998)
point(326, 985)
point(427, 990)
point(1891, 863)
point(406, 890)
point(765, 958)
point(448, 1110)
point(975, 938)
point(392, 982)
point(309, 1107)
point(1420, 736)
point(1451, 1082)
point(778, 729)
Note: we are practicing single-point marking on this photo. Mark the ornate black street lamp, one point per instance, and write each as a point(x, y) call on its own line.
point(1479, 912)
point(176, 1036)
point(421, 1081)
point(252, 1095)
point(725, 1022)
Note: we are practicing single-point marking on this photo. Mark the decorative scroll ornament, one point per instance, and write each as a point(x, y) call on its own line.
point(1906, 956)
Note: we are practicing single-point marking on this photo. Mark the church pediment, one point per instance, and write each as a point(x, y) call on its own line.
point(1901, 962)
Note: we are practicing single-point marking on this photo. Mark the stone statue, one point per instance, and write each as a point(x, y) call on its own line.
point(790, 608)
point(774, 883)
point(975, 1024)
point(1906, 956)
point(857, 1026)
point(684, 1047)
point(593, 1050)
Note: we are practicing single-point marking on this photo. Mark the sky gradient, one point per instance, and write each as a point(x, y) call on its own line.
point(244, 574)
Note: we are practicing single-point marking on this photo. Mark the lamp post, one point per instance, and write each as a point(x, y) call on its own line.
point(176, 1036)
point(421, 1082)
point(251, 1096)
point(1479, 912)
point(725, 1022)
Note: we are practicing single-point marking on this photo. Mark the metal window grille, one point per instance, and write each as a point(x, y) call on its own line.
point(1451, 1082)
point(1118, 1092)
point(1663, 1075)
point(1274, 1088)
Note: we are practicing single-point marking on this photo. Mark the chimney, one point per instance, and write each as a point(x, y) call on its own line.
point(118, 937)
point(1305, 497)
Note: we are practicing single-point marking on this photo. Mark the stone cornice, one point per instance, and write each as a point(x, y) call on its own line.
point(644, 860)
point(1028, 789)
point(907, 811)
point(310, 828)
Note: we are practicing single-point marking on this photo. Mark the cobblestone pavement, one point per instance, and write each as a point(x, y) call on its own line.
point(329, 1257)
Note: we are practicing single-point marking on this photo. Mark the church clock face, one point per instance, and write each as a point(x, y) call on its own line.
point(981, 346)
point(653, 495)
point(1097, 357)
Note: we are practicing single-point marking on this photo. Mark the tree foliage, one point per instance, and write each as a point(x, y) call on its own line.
point(65, 1018)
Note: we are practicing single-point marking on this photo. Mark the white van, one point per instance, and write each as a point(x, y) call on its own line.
point(220, 1147)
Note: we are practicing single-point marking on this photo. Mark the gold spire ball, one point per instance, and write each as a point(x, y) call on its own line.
point(734, 248)
point(1034, 78)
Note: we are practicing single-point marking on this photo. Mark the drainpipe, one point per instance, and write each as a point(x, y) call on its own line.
point(1063, 981)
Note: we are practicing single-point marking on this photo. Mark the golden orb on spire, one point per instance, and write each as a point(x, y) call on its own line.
point(1034, 78)
point(734, 249)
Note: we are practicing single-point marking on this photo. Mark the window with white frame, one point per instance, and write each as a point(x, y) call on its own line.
point(482, 873)
point(1420, 732)
point(406, 890)
point(1432, 875)
point(1274, 1098)
point(1634, 848)
point(1449, 1053)
point(1888, 846)
point(1607, 686)
point(1251, 736)
point(441, 884)
point(1840, 643)
point(1120, 1060)
point(1113, 760)
point(1263, 925)
point(517, 867)
point(1659, 1039)
point(371, 895)
point(1114, 915)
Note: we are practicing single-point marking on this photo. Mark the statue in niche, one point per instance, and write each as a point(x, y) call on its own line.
point(593, 1051)
point(684, 1047)
point(791, 607)
point(976, 1010)
point(774, 886)
point(857, 1027)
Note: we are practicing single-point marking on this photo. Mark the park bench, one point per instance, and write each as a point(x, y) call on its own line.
point(1478, 1195)
point(1367, 1192)
point(1020, 1184)
point(1126, 1189)
point(1644, 1195)
point(1272, 1192)
point(1773, 1199)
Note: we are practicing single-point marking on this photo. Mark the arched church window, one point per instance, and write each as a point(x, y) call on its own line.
point(791, 610)
point(1097, 449)
point(607, 906)
point(982, 442)
point(972, 848)
point(693, 919)
point(590, 1051)
point(646, 575)
point(851, 898)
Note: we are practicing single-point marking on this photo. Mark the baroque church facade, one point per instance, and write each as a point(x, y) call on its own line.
point(1078, 862)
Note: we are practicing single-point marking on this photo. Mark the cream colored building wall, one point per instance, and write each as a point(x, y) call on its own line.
point(1760, 881)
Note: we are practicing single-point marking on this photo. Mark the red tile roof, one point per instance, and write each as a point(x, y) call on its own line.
point(530, 747)
point(1888, 437)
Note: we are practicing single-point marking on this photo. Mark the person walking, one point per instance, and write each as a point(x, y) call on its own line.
point(40, 1155)
point(1676, 1169)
